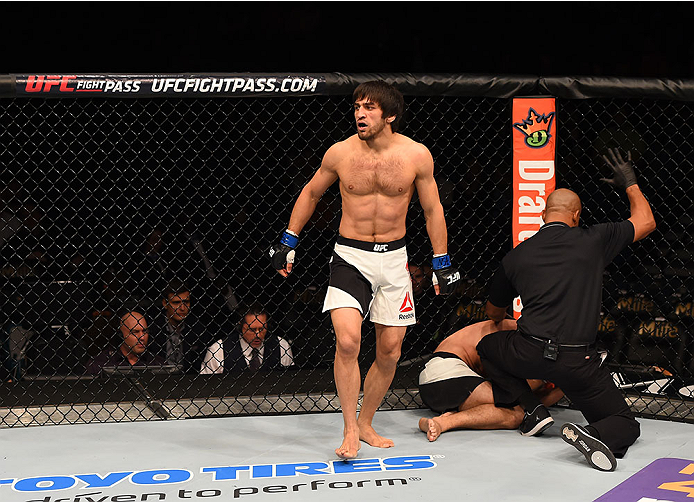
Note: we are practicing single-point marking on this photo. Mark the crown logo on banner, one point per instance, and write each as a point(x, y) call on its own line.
point(536, 128)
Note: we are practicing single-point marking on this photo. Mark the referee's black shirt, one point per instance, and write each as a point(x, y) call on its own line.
point(558, 274)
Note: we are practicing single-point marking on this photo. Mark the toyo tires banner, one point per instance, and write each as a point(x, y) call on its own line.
point(534, 147)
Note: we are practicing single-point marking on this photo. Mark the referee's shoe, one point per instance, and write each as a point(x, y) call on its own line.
point(596, 452)
point(535, 422)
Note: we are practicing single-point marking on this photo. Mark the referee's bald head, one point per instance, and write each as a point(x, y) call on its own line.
point(563, 205)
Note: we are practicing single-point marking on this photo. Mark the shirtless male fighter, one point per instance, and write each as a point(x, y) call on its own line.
point(378, 170)
point(452, 383)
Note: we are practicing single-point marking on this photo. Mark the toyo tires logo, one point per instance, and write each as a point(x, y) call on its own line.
point(162, 477)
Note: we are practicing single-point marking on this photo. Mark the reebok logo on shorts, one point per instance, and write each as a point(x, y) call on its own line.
point(407, 304)
point(406, 309)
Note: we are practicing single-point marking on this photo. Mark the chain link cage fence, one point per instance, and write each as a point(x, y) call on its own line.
point(164, 206)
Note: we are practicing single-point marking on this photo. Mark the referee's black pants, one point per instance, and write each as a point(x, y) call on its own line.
point(509, 358)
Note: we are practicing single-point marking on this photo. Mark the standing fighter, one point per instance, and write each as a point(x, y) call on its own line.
point(378, 170)
point(558, 274)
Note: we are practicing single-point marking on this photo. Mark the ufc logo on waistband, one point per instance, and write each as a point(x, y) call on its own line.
point(380, 247)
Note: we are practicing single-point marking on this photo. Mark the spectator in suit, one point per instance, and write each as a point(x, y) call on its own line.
point(253, 348)
point(177, 336)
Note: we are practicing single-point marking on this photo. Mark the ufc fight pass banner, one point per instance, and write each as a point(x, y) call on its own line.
point(534, 147)
point(187, 85)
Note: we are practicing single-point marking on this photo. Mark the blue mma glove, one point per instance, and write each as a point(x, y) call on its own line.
point(283, 253)
point(445, 275)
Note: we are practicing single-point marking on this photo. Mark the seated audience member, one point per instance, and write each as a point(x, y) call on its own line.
point(452, 383)
point(175, 335)
point(253, 348)
point(133, 349)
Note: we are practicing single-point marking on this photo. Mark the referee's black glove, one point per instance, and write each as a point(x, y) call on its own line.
point(624, 175)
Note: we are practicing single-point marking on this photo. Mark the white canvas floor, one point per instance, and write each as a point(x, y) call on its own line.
point(199, 459)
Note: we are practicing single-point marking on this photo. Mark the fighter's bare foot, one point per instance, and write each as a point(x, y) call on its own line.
point(349, 447)
point(431, 427)
point(370, 437)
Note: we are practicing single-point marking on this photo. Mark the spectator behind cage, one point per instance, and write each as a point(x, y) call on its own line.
point(253, 348)
point(132, 350)
point(176, 336)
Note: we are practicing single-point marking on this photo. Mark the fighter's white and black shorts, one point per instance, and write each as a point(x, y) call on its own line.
point(372, 277)
point(446, 382)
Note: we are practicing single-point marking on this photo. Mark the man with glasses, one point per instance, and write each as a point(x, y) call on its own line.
point(254, 348)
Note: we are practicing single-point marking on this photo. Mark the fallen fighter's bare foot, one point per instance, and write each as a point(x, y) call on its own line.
point(369, 436)
point(431, 427)
point(349, 447)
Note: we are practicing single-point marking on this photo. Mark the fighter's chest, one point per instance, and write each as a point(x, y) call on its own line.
point(390, 176)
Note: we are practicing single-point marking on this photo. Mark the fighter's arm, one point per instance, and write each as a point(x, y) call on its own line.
point(282, 254)
point(445, 277)
point(306, 203)
point(428, 193)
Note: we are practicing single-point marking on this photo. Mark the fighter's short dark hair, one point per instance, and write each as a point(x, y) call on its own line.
point(386, 96)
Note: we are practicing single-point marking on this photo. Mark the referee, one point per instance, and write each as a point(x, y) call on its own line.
point(558, 274)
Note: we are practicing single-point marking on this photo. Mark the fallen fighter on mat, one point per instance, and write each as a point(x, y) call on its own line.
point(452, 383)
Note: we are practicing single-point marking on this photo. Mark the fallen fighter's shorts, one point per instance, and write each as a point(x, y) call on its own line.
point(446, 382)
point(372, 277)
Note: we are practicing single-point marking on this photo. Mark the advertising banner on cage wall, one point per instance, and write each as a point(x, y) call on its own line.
point(534, 146)
point(186, 85)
